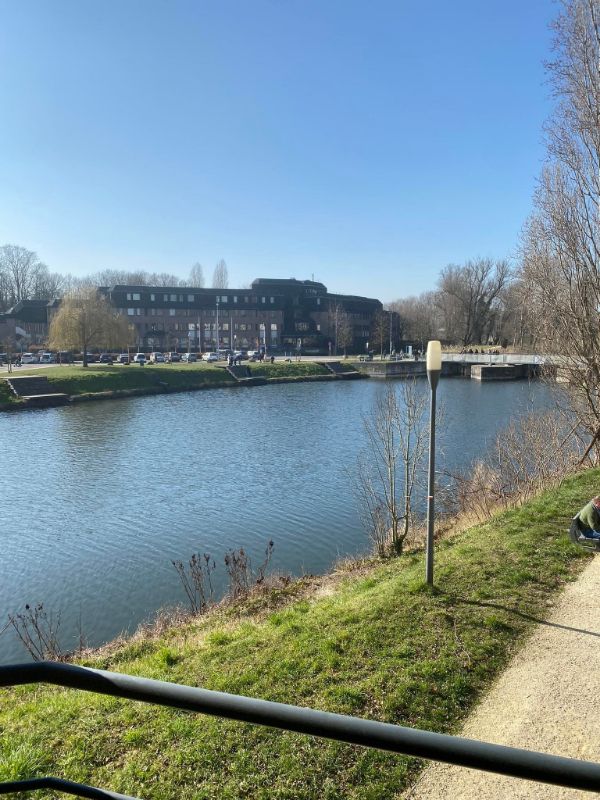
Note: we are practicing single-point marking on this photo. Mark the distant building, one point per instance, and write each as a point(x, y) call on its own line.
point(25, 324)
point(278, 314)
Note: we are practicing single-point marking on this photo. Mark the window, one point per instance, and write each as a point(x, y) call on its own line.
point(190, 298)
point(152, 298)
point(173, 298)
point(235, 298)
point(274, 327)
point(129, 295)
point(224, 298)
point(136, 296)
point(180, 298)
point(245, 299)
point(166, 298)
point(263, 299)
point(318, 328)
point(318, 301)
point(225, 326)
point(271, 299)
point(131, 311)
point(171, 312)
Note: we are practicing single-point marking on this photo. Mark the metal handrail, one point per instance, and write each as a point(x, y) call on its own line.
point(510, 761)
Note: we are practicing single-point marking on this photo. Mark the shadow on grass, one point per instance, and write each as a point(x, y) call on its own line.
point(499, 607)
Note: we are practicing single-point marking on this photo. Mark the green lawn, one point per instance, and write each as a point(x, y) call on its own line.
point(6, 396)
point(284, 369)
point(378, 644)
point(76, 380)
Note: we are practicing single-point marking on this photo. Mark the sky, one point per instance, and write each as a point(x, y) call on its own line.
point(365, 144)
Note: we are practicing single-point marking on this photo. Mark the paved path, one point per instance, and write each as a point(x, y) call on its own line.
point(548, 700)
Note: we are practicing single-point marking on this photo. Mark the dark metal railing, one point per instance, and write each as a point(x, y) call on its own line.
point(510, 761)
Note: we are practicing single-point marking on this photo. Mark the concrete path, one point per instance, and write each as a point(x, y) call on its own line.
point(548, 700)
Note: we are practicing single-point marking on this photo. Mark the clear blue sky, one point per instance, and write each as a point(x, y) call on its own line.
point(367, 143)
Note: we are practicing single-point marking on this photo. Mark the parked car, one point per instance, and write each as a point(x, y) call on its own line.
point(92, 358)
point(123, 358)
point(173, 358)
point(47, 358)
point(65, 357)
point(29, 358)
point(106, 358)
point(139, 358)
point(190, 358)
point(157, 358)
point(210, 357)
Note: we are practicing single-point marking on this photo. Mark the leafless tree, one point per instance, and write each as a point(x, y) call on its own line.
point(469, 294)
point(340, 327)
point(418, 315)
point(22, 275)
point(531, 454)
point(561, 249)
point(379, 331)
point(196, 276)
point(391, 467)
point(220, 276)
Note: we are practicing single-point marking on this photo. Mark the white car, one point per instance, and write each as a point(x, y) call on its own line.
point(157, 358)
point(210, 357)
point(29, 358)
point(139, 358)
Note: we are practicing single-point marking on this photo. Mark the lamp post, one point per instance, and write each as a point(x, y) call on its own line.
point(217, 331)
point(434, 367)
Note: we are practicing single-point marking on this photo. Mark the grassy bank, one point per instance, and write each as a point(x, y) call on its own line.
point(283, 369)
point(6, 396)
point(102, 379)
point(373, 643)
point(75, 380)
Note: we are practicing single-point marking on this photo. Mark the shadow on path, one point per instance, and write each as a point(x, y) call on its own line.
point(516, 612)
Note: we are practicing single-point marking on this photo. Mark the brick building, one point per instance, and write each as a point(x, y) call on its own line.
point(279, 314)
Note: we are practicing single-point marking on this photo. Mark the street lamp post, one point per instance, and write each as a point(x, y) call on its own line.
point(434, 367)
point(217, 331)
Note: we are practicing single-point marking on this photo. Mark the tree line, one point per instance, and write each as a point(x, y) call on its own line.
point(23, 276)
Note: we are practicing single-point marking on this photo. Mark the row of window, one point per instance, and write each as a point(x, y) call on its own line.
point(188, 312)
point(192, 298)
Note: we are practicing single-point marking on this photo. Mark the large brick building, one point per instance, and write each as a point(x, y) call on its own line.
point(280, 314)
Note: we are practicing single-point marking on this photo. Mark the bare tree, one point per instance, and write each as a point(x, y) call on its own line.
point(468, 295)
point(196, 278)
point(85, 319)
point(21, 274)
point(220, 276)
point(418, 315)
point(379, 331)
point(561, 250)
point(392, 465)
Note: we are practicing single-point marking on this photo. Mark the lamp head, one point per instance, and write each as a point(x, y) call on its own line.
point(434, 356)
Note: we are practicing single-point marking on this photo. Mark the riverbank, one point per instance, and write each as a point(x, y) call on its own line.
point(105, 382)
point(370, 641)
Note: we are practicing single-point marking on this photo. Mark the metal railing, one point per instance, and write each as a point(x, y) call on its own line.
point(510, 761)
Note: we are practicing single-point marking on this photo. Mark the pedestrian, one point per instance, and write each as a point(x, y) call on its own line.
point(588, 519)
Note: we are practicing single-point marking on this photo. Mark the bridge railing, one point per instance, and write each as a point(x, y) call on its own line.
point(510, 761)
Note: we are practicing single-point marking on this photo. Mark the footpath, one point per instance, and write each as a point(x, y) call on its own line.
point(547, 700)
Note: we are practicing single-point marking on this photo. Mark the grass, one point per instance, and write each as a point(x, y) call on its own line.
point(101, 378)
point(75, 380)
point(6, 395)
point(376, 644)
point(285, 369)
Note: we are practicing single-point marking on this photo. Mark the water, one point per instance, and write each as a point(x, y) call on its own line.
point(98, 498)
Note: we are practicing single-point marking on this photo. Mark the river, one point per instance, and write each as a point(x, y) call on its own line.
point(97, 499)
